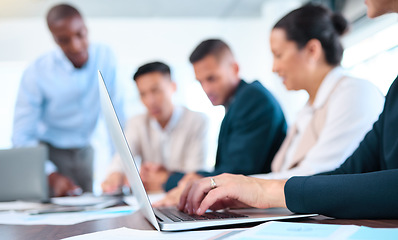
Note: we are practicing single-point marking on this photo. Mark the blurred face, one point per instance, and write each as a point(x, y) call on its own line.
point(218, 77)
point(71, 35)
point(379, 7)
point(290, 63)
point(156, 91)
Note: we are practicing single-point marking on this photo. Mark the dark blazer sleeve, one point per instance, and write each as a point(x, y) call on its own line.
point(365, 195)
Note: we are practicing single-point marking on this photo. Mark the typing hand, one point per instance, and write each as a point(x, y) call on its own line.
point(114, 182)
point(234, 191)
point(63, 186)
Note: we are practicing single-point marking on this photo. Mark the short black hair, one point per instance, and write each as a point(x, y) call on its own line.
point(152, 67)
point(61, 11)
point(215, 47)
point(314, 21)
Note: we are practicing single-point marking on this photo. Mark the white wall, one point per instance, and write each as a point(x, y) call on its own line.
point(137, 41)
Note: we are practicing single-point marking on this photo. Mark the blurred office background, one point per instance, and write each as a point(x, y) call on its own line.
point(140, 31)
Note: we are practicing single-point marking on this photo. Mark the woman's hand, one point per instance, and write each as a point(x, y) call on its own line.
point(231, 191)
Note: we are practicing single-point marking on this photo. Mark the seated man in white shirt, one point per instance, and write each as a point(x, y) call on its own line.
point(167, 138)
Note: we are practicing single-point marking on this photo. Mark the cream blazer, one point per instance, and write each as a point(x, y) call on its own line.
point(181, 146)
point(346, 109)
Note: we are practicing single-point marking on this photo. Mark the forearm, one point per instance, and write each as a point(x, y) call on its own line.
point(273, 192)
point(367, 195)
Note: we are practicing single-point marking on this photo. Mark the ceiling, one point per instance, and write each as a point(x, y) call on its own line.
point(139, 8)
point(352, 9)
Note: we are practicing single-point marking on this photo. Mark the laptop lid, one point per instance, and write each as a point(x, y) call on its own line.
point(22, 174)
point(159, 220)
point(123, 150)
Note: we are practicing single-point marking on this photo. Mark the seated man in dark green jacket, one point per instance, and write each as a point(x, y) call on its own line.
point(253, 127)
point(365, 186)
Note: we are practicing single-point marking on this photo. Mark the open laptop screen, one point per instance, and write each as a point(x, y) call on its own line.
point(22, 174)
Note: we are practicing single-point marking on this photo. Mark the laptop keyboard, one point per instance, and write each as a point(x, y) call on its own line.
point(178, 216)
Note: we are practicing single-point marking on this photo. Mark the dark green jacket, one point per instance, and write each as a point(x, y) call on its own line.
point(365, 185)
point(250, 135)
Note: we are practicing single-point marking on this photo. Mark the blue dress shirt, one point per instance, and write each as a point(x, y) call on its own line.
point(58, 103)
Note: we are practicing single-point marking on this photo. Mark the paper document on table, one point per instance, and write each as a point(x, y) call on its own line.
point(86, 199)
point(367, 233)
point(287, 230)
point(128, 234)
point(24, 218)
point(20, 205)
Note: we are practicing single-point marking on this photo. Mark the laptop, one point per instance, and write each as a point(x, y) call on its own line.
point(22, 174)
point(169, 218)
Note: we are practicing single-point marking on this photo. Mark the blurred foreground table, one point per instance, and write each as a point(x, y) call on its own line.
point(137, 221)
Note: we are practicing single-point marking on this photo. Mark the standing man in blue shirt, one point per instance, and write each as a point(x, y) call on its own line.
point(58, 100)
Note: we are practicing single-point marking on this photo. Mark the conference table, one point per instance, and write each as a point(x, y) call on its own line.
point(137, 221)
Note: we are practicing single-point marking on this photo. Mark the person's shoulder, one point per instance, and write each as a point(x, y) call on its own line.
point(256, 85)
point(255, 88)
point(44, 61)
point(355, 96)
point(352, 81)
point(357, 87)
point(255, 103)
point(188, 112)
point(137, 120)
point(193, 116)
point(255, 93)
point(40, 66)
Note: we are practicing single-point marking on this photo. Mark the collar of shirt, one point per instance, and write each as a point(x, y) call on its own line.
point(175, 117)
point(327, 86)
point(67, 64)
point(322, 95)
point(229, 102)
point(231, 99)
